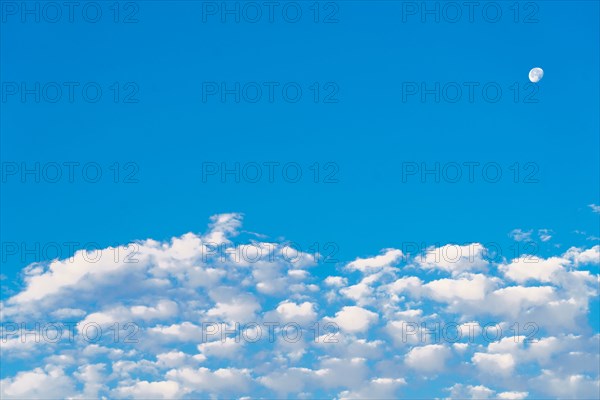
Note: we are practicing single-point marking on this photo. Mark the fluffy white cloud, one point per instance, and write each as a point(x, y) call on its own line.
point(228, 348)
point(93, 378)
point(478, 392)
point(454, 259)
point(494, 364)
point(336, 281)
point(184, 332)
point(567, 386)
point(298, 313)
point(377, 388)
point(533, 268)
point(47, 383)
point(354, 319)
point(361, 293)
point(584, 256)
point(373, 264)
point(149, 390)
point(470, 288)
point(513, 395)
point(353, 341)
point(232, 381)
point(231, 306)
point(428, 358)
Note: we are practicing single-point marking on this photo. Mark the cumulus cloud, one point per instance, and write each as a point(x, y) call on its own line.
point(502, 364)
point(299, 313)
point(454, 259)
point(533, 268)
point(158, 317)
point(567, 386)
point(149, 390)
point(354, 319)
point(368, 265)
point(479, 392)
point(377, 388)
point(336, 281)
point(429, 358)
point(49, 382)
point(584, 256)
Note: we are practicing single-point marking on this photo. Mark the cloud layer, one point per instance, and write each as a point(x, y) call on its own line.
point(212, 316)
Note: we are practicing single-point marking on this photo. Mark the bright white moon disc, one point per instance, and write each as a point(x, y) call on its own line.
point(536, 74)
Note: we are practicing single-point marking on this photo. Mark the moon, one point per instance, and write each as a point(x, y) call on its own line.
point(536, 74)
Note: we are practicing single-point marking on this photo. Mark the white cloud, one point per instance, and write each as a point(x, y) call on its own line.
point(231, 306)
point(172, 359)
point(47, 383)
point(336, 281)
point(566, 386)
point(479, 392)
point(149, 390)
point(545, 234)
point(429, 358)
point(230, 348)
point(584, 256)
point(377, 388)
point(373, 264)
point(520, 235)
point(454, 259)
point(203, 380)
point(223, 226)
point(513, 395)
point(292, 380)
point(68, 313)
point(494, 364)
point(409, 284)
point(471, 288)
point(519, 296)
point(184, 332)
point(533, 268)
point(93, 378)
point(179, 284)
point(298, 313)
point(361, 293)
point(354, 319)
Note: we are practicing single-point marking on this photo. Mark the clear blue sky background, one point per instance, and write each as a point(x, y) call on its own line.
point(368, 133)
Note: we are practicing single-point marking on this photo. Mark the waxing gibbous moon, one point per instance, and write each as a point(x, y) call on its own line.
point(536, 75)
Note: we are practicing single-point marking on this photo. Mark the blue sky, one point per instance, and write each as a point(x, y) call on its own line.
point(172, 120)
